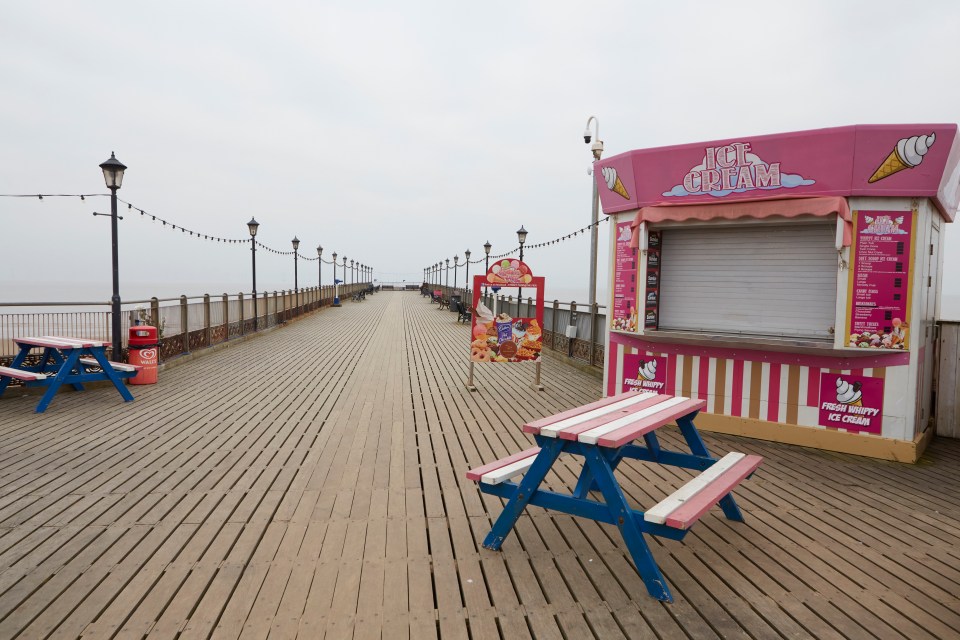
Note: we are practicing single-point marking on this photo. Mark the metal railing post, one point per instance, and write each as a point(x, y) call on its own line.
point(553, 324)
point(184, 326)
point(593, 332)
point(207, 332)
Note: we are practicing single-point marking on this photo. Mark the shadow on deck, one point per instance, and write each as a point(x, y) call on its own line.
point(310, 483)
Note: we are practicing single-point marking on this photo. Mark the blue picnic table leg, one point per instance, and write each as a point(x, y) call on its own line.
point(111, 373)
point(549, 450)
point(699, 448)
point(71, 361)
point(624, 516)
point(586, 482)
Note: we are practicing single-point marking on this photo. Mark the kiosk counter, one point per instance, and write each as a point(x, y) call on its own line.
point(792, 281)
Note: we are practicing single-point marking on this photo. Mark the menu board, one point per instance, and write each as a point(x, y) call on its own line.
point(624, 316)
point(879, 307)
point(651, 304)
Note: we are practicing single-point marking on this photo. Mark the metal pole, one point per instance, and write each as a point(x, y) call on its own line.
point(253, 255)
point(296, 287)
point(520, 289)
point(115, 300)
point(466, 285)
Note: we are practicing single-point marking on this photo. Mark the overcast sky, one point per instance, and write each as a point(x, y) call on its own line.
point(401, 134)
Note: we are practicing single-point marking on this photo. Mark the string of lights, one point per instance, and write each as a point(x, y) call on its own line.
point(528, 247)
point(165, 223)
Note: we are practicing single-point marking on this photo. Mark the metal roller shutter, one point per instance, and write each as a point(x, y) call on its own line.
point(763, 279)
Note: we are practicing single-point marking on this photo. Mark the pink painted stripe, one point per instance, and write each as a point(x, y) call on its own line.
point(536, 425)
point(877, 357)
point(571, 433)
point(736, 392)
point(612, 370)
point(476, 474)
point(631, 432)
point(671, 386)
point(703, 380)
point(813, 387)
point(691, 510)
point(773, 394)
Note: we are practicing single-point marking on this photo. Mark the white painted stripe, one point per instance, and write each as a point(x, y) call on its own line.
point(505, 473)
point(591, 437)
point(552, 430)
point(695, 378)
point(728, 389)
point(784, 386)
point(668, 505)
point(119, 366)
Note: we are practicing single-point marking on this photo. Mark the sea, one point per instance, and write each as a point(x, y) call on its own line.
point(45, 292)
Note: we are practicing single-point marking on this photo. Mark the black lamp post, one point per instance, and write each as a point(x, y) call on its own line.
point(353, 274)
point(466, 257)
point(486, 249)
point(522, 237)
point(345, 271)
point(336, 290)
point(252, 227)
point(296, 289)
point(456, 259)
point(447, 272)
point(320, 271)
point(113, 175)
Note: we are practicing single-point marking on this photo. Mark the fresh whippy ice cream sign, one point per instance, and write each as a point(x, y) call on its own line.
point(854, 403)
point(734, 168)
point(644, 373)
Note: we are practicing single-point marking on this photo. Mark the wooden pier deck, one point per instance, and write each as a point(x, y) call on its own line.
point(309, 483)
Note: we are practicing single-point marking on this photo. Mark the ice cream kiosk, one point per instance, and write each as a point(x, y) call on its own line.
point(790, 280)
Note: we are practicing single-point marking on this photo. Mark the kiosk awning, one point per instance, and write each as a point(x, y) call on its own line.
point(779, 207)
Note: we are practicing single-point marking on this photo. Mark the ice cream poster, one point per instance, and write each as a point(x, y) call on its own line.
point(644, 373)
point(880, 275)
point(851, 402)
point(624, 317)
point(501, 338)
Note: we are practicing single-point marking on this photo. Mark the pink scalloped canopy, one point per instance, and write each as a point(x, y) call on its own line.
point(904, 160)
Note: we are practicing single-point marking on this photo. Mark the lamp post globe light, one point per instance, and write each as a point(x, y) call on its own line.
point(336, 289)
point(296, 288)
point(466, 259)
point(522, 237)
point(252, 227)
point(113, 176)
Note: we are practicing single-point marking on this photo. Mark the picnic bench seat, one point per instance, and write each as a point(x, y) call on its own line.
point(122, 367)
point(20, 374)
point(603, 434)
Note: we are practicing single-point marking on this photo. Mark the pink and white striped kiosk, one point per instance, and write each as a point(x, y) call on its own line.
point(791, 280)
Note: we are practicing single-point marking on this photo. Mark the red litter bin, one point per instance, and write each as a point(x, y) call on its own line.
point(144, 351)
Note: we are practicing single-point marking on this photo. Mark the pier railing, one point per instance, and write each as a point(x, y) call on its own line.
point(184, 323)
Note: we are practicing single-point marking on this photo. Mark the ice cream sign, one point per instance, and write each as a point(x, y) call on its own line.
point(851, 402)
point(734, 168)
point(644, 373)
point(510, 272)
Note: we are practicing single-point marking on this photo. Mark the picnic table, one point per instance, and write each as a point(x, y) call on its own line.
point(73, 361)
point(602, 433)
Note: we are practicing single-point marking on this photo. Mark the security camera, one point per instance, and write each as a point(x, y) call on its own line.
point(586, 136)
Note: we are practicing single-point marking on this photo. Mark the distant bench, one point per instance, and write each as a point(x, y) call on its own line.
point(602, 433)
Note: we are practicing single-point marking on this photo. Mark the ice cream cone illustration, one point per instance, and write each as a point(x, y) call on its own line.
point(906, 154)
point(647, 370)
point(613, 182)
point(849, 394)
